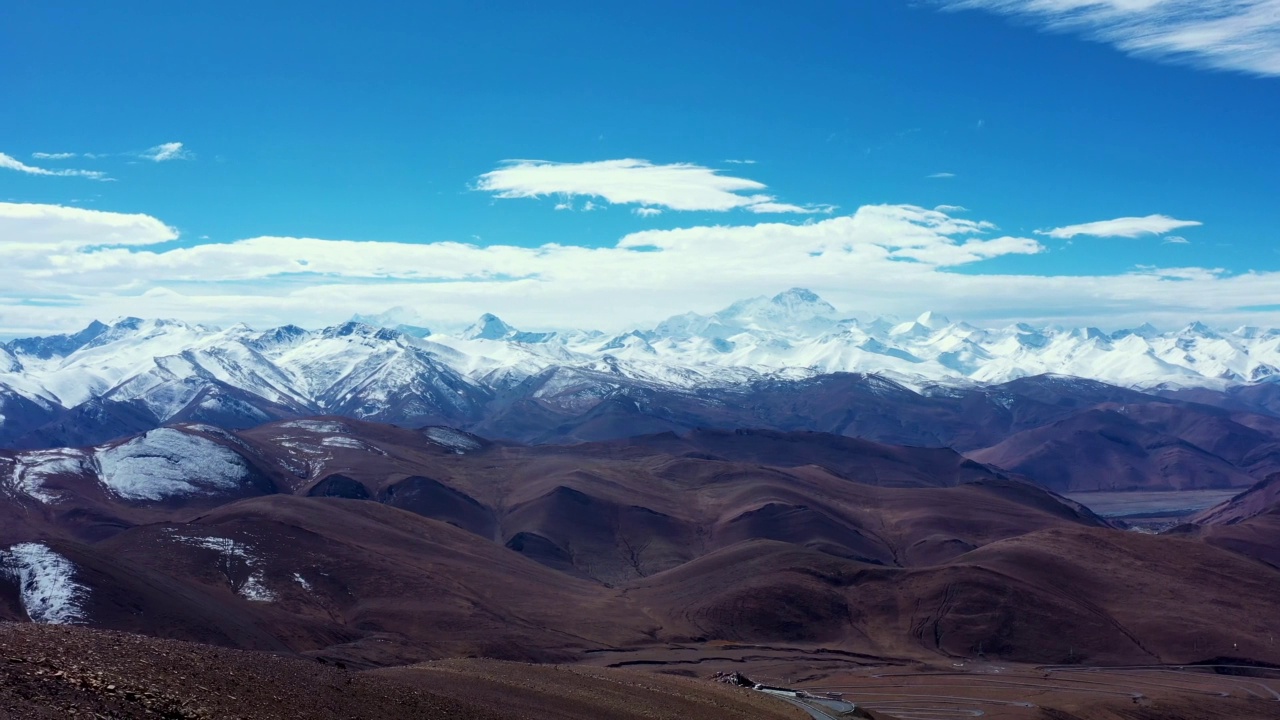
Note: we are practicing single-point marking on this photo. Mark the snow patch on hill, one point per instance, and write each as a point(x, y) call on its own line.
point(46, 583)
point(238, 563)
point(167, 462)
point(350, 444)
point(455, 440)
point(316, 426)
point(32, 469)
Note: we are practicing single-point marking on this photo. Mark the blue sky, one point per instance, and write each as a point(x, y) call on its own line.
point(391, 124)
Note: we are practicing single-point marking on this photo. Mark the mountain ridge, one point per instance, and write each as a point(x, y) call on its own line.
point(134, 374)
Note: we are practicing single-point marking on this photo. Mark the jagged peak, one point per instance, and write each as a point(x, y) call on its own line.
point(1198, 328)
point(358, 329)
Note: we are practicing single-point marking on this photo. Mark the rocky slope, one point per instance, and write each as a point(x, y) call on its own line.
point(374, 545)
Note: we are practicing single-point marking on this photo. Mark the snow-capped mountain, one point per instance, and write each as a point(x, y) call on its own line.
point(133, 374)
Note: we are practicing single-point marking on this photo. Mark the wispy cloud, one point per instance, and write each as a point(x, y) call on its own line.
point(11, 163)
point(741, 162)
point(1125, 227)
point(1240, 35)
point(160, 153)
point(166, 151)
point(1176, 240)
point(647, 211)
point(678, 186)
point(941, 176)
point(951, 209)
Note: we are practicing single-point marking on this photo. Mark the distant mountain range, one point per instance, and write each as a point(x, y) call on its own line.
point(132, 375)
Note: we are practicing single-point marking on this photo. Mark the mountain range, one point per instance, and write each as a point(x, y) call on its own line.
point(132, 375)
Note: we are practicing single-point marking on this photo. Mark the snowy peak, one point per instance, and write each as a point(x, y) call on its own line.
point(356, 330)
point(279, 338)
point(922, 326)
point(1198, 329)
point(795, 310)
point(488, 327)
point(799, 302)
point(932, 320)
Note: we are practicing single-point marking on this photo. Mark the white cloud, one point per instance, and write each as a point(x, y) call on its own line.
point(56, 228)
point(678, 186)
point(1125, 227)
point(941, 176)
point(166, 151)
point(741, 162)
point(53, 156)
point(951, 209)
point(10, 163)
point(882, 259)
point(1241, 35)
point(1176, 240)
point(647, 211)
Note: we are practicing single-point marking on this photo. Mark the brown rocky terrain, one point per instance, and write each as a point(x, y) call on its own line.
point(68, 672)
point(367, 546)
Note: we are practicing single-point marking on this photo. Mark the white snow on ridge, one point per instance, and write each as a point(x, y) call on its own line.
point(316, 426)
point(179, 370)
point(46, 583)
point(455, 440)
point(350, 444)
point(167, 462)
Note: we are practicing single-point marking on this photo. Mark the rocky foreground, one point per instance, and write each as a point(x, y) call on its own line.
point(71, 672)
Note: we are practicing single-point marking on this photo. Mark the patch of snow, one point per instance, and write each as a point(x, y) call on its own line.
point(32, 468)
point(297, 577)
point(455, 440)
point(254, 590)
point(316, 426)
point(305, 447)
point(46, 583)
point(167, 462)
point(254, 587)
point(345, 442)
